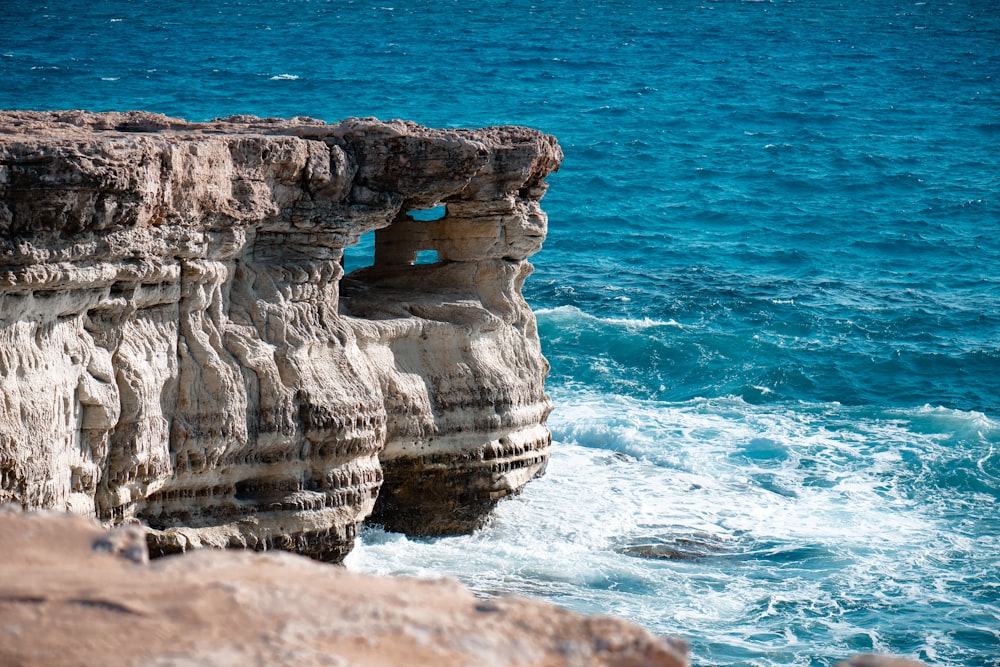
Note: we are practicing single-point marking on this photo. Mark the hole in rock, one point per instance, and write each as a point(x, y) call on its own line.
point(428, 214)
point(361, 255)
point(427, 257)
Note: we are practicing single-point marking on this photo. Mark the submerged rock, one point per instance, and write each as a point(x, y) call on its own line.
point(179, 345)
point(680, 546)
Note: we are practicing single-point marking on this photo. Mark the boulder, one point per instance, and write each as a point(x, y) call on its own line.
point(72, 594)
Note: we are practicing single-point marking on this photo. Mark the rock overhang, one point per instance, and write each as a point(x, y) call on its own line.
point(181, 346)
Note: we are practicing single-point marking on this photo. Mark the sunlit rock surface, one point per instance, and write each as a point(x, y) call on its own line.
point(179, 345)
point(73, 595)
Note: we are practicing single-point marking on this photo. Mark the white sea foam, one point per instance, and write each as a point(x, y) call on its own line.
point(781, 470)
point(285, 77)
point(575, 314)
point(792, 522)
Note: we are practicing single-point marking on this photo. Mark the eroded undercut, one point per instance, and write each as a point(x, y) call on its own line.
point(228, 385)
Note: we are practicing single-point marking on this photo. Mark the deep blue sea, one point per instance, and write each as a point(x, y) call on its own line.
point(770, 292)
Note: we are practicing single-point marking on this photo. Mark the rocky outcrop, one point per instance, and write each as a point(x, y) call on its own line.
point(72, 595)
point(179, 345)
point(877, 660)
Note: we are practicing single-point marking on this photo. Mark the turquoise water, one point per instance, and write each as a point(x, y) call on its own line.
point(769, 293)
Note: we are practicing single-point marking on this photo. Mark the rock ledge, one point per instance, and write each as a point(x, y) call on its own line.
point(67, 598)
point(179, 343)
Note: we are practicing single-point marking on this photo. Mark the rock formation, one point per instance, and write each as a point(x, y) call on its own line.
point(878, 660)
point(72, 595)
point(179, 345)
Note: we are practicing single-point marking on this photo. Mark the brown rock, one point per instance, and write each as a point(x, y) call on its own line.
point(178, 343)
point(874, 660)
point(64, 602)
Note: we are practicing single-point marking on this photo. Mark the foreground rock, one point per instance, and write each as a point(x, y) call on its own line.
point(71, 594)
point(179, 345)
point(876, 660)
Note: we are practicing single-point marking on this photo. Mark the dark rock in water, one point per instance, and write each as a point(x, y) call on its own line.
point(693, 546)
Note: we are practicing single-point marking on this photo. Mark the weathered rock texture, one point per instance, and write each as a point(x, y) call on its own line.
point(178, 343)
point(877, 660)
point(74, 595)
point(70, 596)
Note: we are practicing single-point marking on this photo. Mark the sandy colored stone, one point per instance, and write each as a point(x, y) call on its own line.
point(179, 345)
point(66, 600)
point(879, 660)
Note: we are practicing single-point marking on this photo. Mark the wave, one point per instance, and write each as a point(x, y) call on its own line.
point(766, 291)
point(709, 332)
point(657, 430)
point(574, 315)
point(735, 524)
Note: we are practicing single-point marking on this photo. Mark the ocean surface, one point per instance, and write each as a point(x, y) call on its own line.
point(770, 293)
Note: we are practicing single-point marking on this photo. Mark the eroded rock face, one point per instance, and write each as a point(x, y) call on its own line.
point(179, 345)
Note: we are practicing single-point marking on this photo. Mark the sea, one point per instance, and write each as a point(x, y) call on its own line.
point(770, 292)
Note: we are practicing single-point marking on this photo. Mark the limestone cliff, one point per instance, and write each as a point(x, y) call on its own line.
point(179, 345)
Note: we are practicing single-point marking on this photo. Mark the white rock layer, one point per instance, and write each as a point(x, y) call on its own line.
point(178, 343)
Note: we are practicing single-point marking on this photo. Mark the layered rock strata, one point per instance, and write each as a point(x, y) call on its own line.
point(179, 344)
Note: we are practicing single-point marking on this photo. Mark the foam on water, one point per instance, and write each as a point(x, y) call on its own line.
point(708, 332)
point(767, 536)
point(569, 313)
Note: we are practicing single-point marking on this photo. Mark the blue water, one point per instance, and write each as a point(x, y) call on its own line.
point(770, 292)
